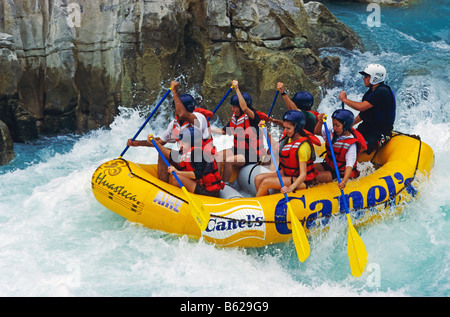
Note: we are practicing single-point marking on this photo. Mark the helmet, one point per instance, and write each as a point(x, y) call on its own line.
point(191, 135)
point(346, 117)
point(234, 101)
point(188, 101)
point(303, 100)
point(296, 117)
point(376, 72)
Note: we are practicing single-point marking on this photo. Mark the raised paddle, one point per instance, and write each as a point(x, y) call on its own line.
point(146, 121)
point(223, 99)
point(357, 254)
point(198, 211)
point(298, 233)
point(273, 103)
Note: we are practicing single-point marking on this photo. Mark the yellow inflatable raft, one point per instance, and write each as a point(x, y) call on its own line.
point(134, 192)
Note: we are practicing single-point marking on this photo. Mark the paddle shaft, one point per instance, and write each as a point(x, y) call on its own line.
point(165, 161)
point(198, 212)
point(223, 99)
point(146, 121)
point(273, 103)
point(335, 164)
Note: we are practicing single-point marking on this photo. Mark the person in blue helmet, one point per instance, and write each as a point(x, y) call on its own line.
point(186, 115)
point(347, 143)
point(377, 108)
point(296, 157)
point(248, 144)
point(196, 169)
point(302, 101)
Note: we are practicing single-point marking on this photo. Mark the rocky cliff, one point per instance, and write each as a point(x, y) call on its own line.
point(67, 65)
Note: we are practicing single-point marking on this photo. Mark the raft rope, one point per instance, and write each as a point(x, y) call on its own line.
point(316, 218)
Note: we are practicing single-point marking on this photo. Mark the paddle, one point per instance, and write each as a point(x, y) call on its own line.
point(298, 233)
point(223, 99)
point(356, 249)
point(273, 103)
point(198, 211)
point(146, 121)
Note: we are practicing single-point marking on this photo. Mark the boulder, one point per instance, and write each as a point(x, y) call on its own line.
point(6, 145)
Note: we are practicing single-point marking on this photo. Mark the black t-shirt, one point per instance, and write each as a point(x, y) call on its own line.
point(380, 118)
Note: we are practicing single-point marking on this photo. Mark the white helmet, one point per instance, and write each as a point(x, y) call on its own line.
point(376, 72)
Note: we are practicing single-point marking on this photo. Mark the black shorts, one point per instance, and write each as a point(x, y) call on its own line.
point(200, 190)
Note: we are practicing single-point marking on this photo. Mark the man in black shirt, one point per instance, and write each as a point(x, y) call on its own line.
point(377, 108)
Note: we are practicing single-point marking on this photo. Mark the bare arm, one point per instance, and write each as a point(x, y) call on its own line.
point(183, 114)
point(344, 180)
point(360, 106)
point(287, 100)
point(144, 142)
point(318, 128)
point(242, 102)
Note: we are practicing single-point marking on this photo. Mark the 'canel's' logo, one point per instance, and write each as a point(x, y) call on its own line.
point(237, 222)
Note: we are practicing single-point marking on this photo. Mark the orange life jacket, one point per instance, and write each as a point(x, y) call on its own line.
point(289, 158)
point(211, 179)
point(340, 149)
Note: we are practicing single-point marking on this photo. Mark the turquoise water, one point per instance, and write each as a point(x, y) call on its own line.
point(57, 240)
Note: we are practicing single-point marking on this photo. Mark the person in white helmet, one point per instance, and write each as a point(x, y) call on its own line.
point(377, 108)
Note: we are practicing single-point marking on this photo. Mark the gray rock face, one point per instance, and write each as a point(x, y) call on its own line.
point(67, 65)
point(6, 145)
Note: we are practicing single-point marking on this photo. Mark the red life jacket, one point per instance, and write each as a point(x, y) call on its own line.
point(263, 116)
point(315, 113)
point(289, 158)
point(340, 149)
point(177, 127)
point(211, 179)
point(208, 114)
point(244, 135)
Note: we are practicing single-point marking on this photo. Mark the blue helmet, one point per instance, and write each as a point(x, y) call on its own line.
point(188, 101)
point(344, 116)
point(234, 101)
point(303, 100)
point(297, 118)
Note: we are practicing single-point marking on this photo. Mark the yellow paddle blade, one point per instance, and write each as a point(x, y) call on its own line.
point(298, 234)
point(198, 211)
point(357, 254)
